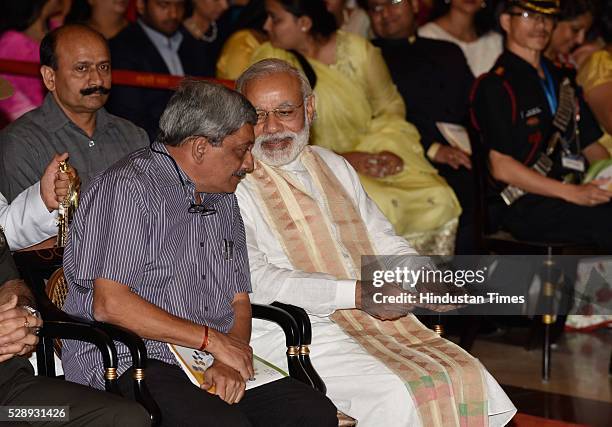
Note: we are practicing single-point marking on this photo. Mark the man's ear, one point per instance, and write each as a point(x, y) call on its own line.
point(199, 148)
point(48, 76)
point(311, 107)
point(415, 7)
point(504, 21)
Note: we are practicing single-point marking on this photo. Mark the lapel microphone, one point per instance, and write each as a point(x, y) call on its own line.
point(194, 208)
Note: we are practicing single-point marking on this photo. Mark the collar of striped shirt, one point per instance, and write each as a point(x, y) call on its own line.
point(169, 177)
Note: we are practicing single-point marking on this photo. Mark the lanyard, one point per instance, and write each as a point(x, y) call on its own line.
point(549, 89)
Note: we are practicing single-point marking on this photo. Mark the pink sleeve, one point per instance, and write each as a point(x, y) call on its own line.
point(17, 105)
point(29, 91)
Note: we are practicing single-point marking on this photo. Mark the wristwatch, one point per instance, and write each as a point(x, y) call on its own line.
point(32, 311)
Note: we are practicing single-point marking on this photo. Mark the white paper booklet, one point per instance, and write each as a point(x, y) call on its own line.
point(195, 363)
point(456, 135)
point(601, 169)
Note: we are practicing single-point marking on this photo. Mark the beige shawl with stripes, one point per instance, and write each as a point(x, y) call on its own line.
point(445, 382)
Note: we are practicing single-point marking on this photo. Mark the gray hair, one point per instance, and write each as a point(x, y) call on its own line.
point(271, 66)
point(200, 108)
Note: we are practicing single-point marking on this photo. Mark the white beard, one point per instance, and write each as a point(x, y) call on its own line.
point(281, 156)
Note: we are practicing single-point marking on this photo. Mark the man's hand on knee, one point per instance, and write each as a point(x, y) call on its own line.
point(232, 352)
point(590, 194)
point(225, 382)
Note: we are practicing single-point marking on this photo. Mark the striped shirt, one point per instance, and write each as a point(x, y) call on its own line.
point(133, 227)
point(28, 144)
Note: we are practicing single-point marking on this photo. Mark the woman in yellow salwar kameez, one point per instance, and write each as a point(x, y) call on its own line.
point(237, 51)
point(361, 117)
point(595, 78)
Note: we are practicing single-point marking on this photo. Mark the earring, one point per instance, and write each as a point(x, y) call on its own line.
point(483, 4)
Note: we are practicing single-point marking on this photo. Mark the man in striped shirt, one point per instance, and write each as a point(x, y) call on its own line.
point(158, 246)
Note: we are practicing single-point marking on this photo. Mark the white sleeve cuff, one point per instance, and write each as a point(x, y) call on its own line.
point(27, 220)
point(45, 221)
point(345, 294)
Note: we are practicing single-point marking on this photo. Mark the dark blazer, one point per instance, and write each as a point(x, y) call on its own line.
point(132, 49)
point(433, 78)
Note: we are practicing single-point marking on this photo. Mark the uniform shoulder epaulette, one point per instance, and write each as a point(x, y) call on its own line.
point(496, 75)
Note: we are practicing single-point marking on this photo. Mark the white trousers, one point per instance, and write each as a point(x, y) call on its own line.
point(357, 383)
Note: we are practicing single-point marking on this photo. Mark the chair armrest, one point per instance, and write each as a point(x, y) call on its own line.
point(133, 342)
point(292, 338)
point(282, 318)
point(81, 331)
point(35, 267)
point(301, 318)
point(303, 321)
point(138, 352)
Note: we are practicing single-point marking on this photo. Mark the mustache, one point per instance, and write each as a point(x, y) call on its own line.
point(275, 137)
point(240, 173)
point(95, 89)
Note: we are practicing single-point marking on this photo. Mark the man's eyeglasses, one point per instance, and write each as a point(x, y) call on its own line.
point(534, 16)
point(284, 114)
point(378, 8)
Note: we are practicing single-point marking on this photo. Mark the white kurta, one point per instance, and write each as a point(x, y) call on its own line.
point(27, 221)
point(357, 383)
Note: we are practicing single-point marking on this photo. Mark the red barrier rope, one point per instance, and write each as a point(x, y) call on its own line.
point(120, 77)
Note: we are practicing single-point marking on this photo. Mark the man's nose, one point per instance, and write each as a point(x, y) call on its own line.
point(95, 77)
point(272, 124)
point(175, 11)
point(384, 13)
point(248, 164)
point(267, 25)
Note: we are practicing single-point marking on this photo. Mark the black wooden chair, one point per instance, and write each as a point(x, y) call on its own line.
point(303, 322)
point(496, 241)
point(42, 271)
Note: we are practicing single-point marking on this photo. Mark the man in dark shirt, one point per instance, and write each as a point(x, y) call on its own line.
point(518, 108)
point(434, 80)
point(154, 44)
point(18, 385)
point(76, 69)
point(158, 246)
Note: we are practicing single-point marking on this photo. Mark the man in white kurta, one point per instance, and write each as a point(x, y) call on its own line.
point(358, 383)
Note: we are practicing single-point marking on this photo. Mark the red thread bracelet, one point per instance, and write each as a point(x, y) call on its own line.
point(205, 340)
